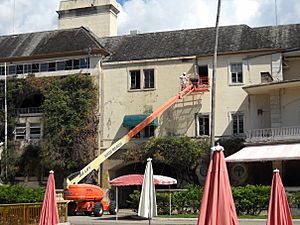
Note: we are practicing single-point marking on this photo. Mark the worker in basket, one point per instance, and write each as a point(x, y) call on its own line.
point(184, 80)
point(194, 79)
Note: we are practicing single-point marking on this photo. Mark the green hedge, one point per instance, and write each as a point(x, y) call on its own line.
point(249, 200)
point(10, 194)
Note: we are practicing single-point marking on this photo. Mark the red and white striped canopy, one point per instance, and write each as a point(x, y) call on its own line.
point(266, 153)
point(137, 179)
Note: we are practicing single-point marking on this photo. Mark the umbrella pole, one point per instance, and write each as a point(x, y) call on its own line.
point(149, 211)
point(117, 203)
point(170, 201)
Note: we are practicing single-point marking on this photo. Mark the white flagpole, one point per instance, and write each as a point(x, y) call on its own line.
point(5, 113)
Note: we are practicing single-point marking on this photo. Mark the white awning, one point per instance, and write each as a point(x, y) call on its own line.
point(266, 153)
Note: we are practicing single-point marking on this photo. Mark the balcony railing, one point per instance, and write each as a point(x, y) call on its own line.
point(29, 110)
point(273, 134)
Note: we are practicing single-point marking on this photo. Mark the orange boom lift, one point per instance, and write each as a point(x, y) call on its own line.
point(88, 198)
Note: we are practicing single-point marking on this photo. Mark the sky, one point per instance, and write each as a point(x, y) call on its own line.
point(154, 15)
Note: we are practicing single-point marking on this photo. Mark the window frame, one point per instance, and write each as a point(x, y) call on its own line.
point(235, 74)
point(237, 128)
point(149, 131)
point(198, 125)
point(20, 131)
point(145, 75)
point(150, 80)
point(137, 82)
point(33, 127)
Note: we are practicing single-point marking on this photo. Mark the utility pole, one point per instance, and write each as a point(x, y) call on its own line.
point(213, 85)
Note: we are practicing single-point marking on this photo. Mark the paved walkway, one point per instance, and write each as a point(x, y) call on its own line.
point(126, 217)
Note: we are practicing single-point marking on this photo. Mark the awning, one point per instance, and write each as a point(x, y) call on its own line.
point(266, 153)
point(137, 179)
point(133, 120)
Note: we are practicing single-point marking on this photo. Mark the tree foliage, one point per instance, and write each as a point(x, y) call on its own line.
point(69, 119)
point(69, 122)
point(182, 154)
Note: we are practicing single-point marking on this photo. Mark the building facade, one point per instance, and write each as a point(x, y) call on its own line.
point(257, 80)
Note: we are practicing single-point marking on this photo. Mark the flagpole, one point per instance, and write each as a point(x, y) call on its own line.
point(213, 83)
point(5, 114)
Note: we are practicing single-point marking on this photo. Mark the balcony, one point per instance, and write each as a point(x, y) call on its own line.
point(273, 135)
point(28, 111)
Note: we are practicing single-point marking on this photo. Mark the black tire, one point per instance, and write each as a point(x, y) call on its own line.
point(98, 209)
point(72, 208)
point(112, 208)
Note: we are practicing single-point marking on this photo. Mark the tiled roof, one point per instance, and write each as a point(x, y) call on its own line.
point(47, 43)
point(179, 43)
point(184, 43)
point(286, 37)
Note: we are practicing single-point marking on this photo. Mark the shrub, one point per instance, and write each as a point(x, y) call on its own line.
point(187, 201)
point(251, 199)
point(10, 194)
point(183, 202)
point(294, 199)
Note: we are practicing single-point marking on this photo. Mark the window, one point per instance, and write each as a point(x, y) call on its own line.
point(20, 131)
point(236, 71)
point(144, 80)
point(35, 131)
point(149, 78)
point(12, 70)
point(2, 70)
point(84, 63)
point(35, 68)
point(202, 125)
point(52, 66)
point(203, 73)
point(149, 131)
point(69, 65)
point(27, 68)
point(61, 65)
point(76, 64)
point(19, 69)
point(237, 123)
point(135, 79)
point(44, 67)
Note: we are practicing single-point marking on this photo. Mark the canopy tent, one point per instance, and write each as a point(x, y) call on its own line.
point(266, 153)
point(137, 179)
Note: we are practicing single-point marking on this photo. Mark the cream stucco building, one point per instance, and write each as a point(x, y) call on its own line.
point(257, 79)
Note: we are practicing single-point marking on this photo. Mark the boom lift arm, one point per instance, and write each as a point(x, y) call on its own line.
point(94, 165)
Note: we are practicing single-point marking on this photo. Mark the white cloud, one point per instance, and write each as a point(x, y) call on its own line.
point(30, 15)
point(155, 15)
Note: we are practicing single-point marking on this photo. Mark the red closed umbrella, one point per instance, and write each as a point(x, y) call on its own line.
point(217, 205)
point(279, 210)
point(49, 211)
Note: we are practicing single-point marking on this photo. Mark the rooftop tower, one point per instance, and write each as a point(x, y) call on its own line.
point(99, 16)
